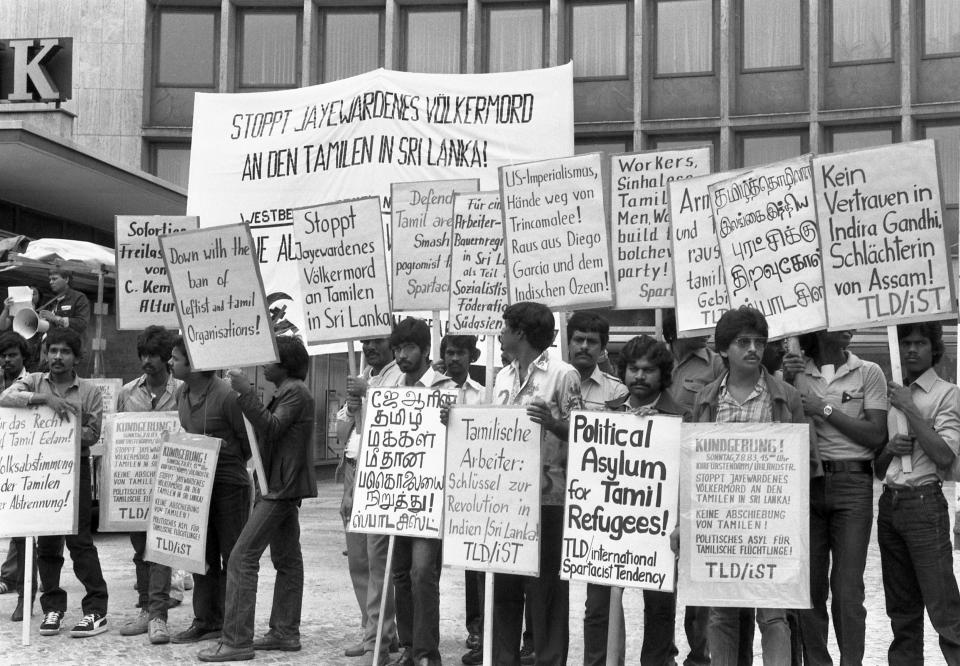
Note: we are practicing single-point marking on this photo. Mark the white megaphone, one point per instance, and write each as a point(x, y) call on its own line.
point(27, 323)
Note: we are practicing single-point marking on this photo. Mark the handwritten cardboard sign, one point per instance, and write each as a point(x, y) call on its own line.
point(623, 478)
point(143, 288)
point(180, 504)
point(39, 472)
point(885, 256)
point(478, 279)
point(219, 297)
point(491, 519)
point(399, 486)
point(132, 446)
point(640, 219)
point(343, 271)
point(555, 233)
point(744, 507)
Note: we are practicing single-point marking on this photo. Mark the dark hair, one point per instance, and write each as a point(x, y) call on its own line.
point(809, 343)
point(669, 325)
point(467, 342)
point(733, 322)
point(588, 322)
point(931, 330)
point(651, 349)
point(10, 339)
point(65, 273)
point(411, 330)
point(293, 356)
point(533, 319)
point(155, 341)
point(180, 343)
point(66, 336)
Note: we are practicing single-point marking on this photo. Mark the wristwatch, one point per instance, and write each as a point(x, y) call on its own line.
point(827, 411)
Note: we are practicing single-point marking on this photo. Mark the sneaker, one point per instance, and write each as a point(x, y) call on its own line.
point(474, 657)
point(527, 655)
point(158, 631)
point(137, 625)
point(51, 623)
point(90, 625)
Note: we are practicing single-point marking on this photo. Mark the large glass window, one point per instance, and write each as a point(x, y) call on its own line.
point(684, 36)
point(765, 148)
point(947, 137)
point(610, 145)
point(941, 27)
point(187, 48)
point(352, 43)
point(842, 139)
point(269, 49)
point(171, 161)
point(772, 31)
point(514, 38)
point(598, 39)
point(434, 40)
point(862, 30)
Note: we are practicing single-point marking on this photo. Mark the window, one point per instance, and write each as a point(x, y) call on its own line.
point(352, 43)
point(771, 34)
point(947, 137)
point(269, 49)
point(187, 48)
point(684, 37)
point(681, 141)
point(171, 161)
point(853, 139)
point(598, 40)
point(862, 30)
point(610, 145)
point(941, 27)
point(515, 37)
point(760, 149)
point(433, 40)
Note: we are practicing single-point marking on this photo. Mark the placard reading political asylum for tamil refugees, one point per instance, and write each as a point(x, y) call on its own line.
point(744, 515)
point(132, 446)
point(143, 288)
point(478, 280)
point(343, 270)
point(491, 518)
point(885, 256)
point(555, 232)
point(39, 472)
point(180, 503)
point(421, 217)
point(640, 216)
point(399, 485)
point(623, 477)
point(219, 297)
point(767, 232)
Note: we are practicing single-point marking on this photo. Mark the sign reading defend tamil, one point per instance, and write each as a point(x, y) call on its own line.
point(491, 518)
point(885, 256)
point(143, 288)
point(421, 216)
point(623, 478)
point(478, 280)
point(641, 222)
point(343, 270)
point(39, 472)
point(555, 233)
point(399, 485)
point(219, 297)
point(744, 509)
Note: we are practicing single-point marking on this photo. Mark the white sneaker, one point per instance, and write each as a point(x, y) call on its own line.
point(91, 625)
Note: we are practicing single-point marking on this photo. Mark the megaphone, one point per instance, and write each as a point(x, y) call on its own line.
point(27, 323)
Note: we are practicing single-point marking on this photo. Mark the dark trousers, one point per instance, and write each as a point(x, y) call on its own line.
point(8, 570)
point(416, 585)
point(695, 621)
point(153, 580)
point(229, 509)
point(913, 531)
point(473, 582)
point(18, 548)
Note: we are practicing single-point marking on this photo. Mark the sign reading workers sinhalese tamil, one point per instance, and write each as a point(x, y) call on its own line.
point(623, 477)
point(555, 233)
point(132, 446)
point(143, 288)
point(421, 216)
point(180, 504)
point(343, 270)
point(885, 256)
point(744, 509)
point(478, 280)
point(491, 518)
point(640, 216)
point(219, 297)
point(399, 485)
point(767, 233)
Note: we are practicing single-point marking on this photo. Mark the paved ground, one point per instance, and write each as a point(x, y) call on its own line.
point(330, 615)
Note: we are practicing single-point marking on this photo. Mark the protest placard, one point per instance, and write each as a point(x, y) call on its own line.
point(478, 279)
point(109, 390)
point(767, 232)
point(744, 515)
point(39, 472)
point(623, 478)
point(22, 299)
point(131, 448)
point(885, 256)
point(640, 220)
point(343, 270)
point(491, 518)
point(143, 288)
point(555, 232)
point(219, 297)
point(421, 219)
point(180, 501)
point(399, 486)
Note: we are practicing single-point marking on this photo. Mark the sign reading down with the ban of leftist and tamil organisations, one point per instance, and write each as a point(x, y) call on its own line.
point(623, 477)
point(767, 233)
point(421, 216)
point(143, 288)
point(343, 270)
point(885, 256)
point(219, 297)
point(491, 517)
point(478, 279)
point(744, 505)
point(640, 217)
point(555, 233)
point(399, 485)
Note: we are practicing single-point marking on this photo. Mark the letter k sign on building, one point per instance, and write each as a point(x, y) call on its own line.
point(36, 69)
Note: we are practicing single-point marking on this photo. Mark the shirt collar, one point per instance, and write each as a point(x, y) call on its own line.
point(430, 378)
point(75, 382)
point(926, 381)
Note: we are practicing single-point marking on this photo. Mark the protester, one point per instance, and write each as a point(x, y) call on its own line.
point(69, 308)
point(31, 360)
